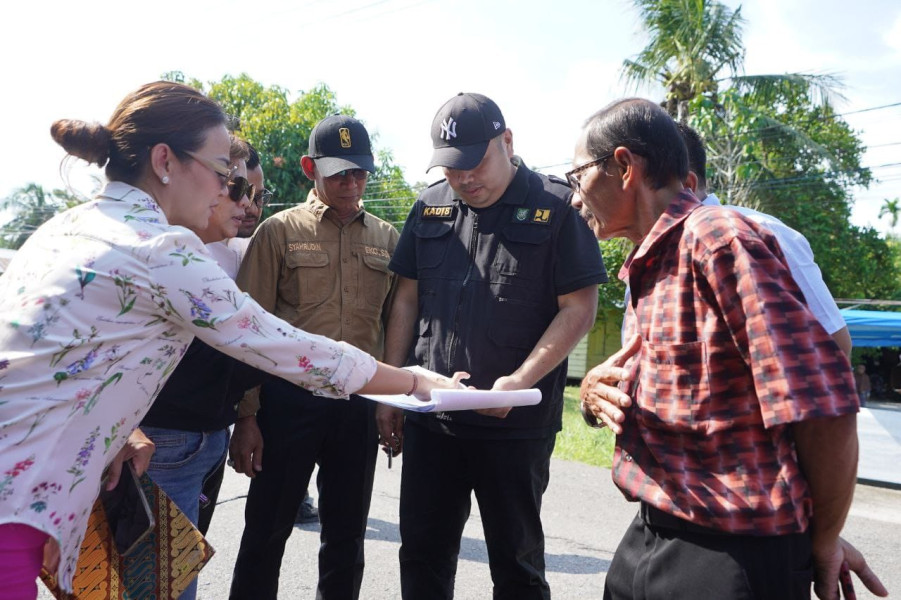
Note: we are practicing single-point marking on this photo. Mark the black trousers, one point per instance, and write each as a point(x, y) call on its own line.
point(662, 557)
point(440, 473)
point(301, 430)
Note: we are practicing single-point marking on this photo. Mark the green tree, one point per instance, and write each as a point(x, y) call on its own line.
point(691, 41)
point(891, 209)
point(774, 141)
point(388, 195)
point(694, 46)
point(800, 164)
point(278, 127)
point(279, 124)
point(31, 206)
point(695, 51)
point(613, 293)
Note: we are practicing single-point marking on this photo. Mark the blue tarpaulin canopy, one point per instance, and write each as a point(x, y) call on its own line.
point(871, 328)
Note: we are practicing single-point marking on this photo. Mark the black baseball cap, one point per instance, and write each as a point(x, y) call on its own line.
point(462, 129)
point(339, 142)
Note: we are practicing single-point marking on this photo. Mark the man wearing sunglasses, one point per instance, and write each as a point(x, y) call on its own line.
point(322, 266)
point(261, 197)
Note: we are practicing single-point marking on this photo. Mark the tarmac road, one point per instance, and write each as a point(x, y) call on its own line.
point(584, 518)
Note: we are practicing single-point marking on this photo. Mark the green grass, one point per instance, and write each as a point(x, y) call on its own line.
point(579, 442)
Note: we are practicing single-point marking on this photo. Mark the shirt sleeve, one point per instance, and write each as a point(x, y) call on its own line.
point(403, 260)
point(192, 291)
point(798, 371)
point(261, 267)
point(806, 273)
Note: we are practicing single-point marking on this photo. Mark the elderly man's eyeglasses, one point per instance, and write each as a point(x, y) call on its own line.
point(574, 177)
point(358, 174)
point(262, 198)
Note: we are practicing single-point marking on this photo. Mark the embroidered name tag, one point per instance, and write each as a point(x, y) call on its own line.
point(373, 251)
point(305, 247)
point(437, 212)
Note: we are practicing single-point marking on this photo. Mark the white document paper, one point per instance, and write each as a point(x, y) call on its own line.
point(459, 399)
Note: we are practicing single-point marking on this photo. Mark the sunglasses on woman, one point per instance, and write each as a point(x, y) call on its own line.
point(223, 171)
point(239, 187)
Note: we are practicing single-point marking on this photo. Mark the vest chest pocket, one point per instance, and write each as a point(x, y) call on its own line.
point(521, 251)
point(431, 242)
point(374, 281)
point(309, 280)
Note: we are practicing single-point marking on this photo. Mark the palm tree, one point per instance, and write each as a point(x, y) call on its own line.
point(30, 206)
point(691, 42)
point(892, 209)
point(696, 52)
point(695, 46)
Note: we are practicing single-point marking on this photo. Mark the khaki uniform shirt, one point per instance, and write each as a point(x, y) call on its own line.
point(307, 268)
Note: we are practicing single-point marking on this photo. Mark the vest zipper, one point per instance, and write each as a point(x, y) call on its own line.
point(473, 246)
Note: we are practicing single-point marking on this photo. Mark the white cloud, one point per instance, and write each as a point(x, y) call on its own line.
point(892, 37)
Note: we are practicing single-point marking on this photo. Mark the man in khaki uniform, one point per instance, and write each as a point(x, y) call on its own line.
point(321, 266)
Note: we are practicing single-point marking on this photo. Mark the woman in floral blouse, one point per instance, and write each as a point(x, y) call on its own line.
point(98, 307)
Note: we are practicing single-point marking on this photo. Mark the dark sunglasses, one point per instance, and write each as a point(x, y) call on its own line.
point(574, 177)
point(358, 174)
point(239, 187)
point(262, 198)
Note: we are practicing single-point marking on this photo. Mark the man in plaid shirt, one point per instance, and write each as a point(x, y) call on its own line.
point(736, 417)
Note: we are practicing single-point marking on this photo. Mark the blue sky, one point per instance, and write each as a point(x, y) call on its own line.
point(547, 64)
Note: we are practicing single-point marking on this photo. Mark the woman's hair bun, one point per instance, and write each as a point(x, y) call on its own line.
point(88, 141)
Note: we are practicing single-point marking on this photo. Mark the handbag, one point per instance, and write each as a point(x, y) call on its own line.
point(161, 566)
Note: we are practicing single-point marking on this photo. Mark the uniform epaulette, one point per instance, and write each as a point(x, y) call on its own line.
point(440, 181)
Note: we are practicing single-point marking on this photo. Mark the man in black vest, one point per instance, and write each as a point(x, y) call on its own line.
point(497, 276)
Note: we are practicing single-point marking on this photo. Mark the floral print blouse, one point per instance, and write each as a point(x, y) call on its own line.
point(96, 310)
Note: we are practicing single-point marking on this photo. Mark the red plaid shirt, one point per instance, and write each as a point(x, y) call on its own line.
point(730, 357)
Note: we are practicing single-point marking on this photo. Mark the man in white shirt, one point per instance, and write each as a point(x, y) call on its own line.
point(794, 245)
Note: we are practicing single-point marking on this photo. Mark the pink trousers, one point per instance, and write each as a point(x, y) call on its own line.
point(21, 556)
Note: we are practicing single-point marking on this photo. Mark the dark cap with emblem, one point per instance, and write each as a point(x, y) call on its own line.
point(340, 142)
point(462, 129)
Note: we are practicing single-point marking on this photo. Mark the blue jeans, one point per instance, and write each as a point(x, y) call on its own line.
point(182, 460)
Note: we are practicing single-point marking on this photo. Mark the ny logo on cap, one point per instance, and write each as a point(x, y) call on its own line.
point(448, 129)
point(344, 135)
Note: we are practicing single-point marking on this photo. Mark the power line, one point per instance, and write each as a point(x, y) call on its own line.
point(863, 110)
point(765, 128)
point(355, 10)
